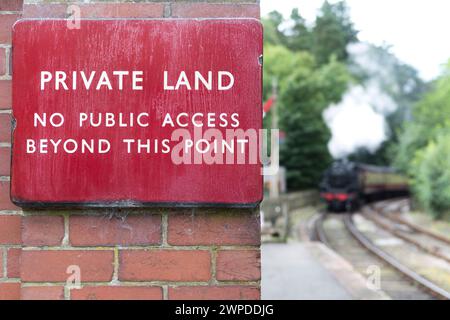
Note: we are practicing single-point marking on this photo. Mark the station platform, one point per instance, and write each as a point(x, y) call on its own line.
point(311, 271)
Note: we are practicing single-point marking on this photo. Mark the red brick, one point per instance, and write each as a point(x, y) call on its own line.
point(2, 61)
point(41, 10)
point(42, 230)
point(123, 10)
point(1, 263)
point(10, 230)
point(165, 265)
point(5, 161)
point(133, 230)
point(215, 10)
point(105, 10)
point(5, 94)
point(5, 201)
point(5, 127)
point(238, 265)
point(9, 291)
point(11, 5)
point(214, 293)
point(116, 293)
point(42, 293)
point(14, 262)
point(51, 265)
point(214, 228)
point(6, 23)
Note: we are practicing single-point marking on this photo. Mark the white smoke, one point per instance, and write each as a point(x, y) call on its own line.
point(354, 123)
point(358, 121)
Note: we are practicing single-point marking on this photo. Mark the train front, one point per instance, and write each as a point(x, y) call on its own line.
point(339, 186)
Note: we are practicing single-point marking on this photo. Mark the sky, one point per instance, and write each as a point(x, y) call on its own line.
point(416, 29)
point(417, 32)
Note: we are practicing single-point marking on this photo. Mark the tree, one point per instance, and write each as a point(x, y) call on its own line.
point(308, 92)
point(423, 150)
point(332, 32)
point(431, 177)
point(279, 63)
point(299, 37)
point(306, 88)
point(272, 33)
point(428, 120)
point(378, 158)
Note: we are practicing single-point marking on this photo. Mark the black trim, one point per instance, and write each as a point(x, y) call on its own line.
point(130, 205)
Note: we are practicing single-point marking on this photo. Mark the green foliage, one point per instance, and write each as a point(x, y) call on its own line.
point(328, 37)
point(332, 32)
point(411, 140)
point(431, 176)
point(306, 87)
point(429, 120)
point(308, 92)
point(423, 150)
point(378, 158)
point(305, 90)
point(433, 110)
point(300, 37)
point(280, 63)
point(272, 33)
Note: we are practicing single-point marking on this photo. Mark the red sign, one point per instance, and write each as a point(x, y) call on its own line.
point(137, 112)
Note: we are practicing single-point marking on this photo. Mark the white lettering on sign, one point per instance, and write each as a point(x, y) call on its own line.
point(55, 119)
point(224, 80)
point(114, 80)
point(68, 146)
point(110, 119)
point(198, 119)
point(118, 80)
point(62, 80)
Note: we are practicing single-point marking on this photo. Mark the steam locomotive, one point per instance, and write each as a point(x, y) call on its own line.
point(345, 185)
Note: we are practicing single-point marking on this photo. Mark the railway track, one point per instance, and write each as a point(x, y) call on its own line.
point(398, 281)
point(424, 239)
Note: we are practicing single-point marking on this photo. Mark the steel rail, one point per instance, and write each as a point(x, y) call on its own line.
point(415, 227)
point(385, 225)
point(320, 231)
point(429, 286)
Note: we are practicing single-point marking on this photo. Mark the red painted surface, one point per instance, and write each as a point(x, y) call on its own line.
point(119, 178)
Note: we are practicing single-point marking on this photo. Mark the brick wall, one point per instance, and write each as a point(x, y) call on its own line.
point(10, 216)
point(139, 254)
